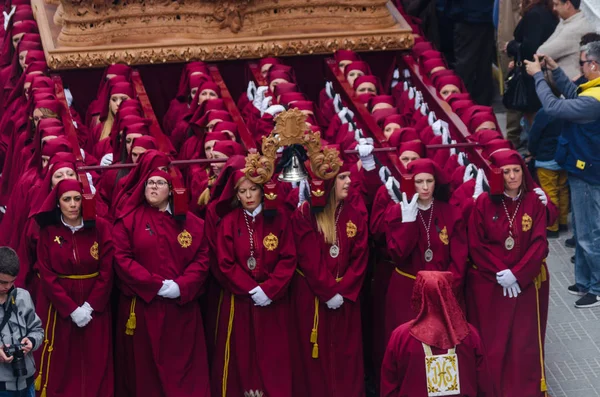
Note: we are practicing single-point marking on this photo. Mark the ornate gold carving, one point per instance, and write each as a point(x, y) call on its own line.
point(94, 33)
point(290, 126)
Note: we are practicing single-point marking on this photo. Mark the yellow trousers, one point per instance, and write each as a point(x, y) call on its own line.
point(555, 185)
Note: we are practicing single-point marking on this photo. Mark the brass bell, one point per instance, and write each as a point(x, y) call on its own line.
point(294, 172)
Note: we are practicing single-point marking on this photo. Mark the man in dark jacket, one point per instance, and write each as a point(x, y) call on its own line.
point(578, 153)
point(474, 46)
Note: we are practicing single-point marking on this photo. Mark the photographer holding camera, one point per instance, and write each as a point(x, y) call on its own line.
point(21, 331)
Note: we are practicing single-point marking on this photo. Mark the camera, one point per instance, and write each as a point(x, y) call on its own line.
point(18, 363)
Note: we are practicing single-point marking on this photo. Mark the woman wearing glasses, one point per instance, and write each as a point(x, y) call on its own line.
point(161, 265)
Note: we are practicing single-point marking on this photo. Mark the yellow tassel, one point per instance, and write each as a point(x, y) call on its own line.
point(313, 336)
point(131, 321)
point(543, 386)
point(315, 352)
point(38, 382)
point(43, 393)
point(131, 324)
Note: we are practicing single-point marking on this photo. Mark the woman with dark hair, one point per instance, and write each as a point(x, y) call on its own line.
point(425, 233)
point(256, 260)
point(161, 264)
point(507, 285)
point(331, 233)
point(75, 269)
point(537, 24)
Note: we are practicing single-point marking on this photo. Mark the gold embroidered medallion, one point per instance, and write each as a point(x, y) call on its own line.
point(271, 242)
point(527, 223)
point(94, 250)
point(444, 236)
point(351, 229)
point(184, 239)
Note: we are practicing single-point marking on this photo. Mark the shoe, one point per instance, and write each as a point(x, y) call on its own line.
point(563, 228)
point(570, 242)
point(589, 300)
point(574, 290)
point(573, 259)
point(551, 234)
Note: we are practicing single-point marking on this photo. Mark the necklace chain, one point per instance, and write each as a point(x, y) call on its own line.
point(337, 218)
point(511, 219)
point(250, 233)
point(428, 225)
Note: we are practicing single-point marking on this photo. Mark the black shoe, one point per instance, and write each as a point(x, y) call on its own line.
point(573, 259)
point(589, 300)
point(574, 290)
point(570, 242)
point(563, 228)
point(551, 234)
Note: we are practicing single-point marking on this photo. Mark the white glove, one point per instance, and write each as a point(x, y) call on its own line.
point(423, 109)
point(87, 307)
point(470, 172)
point(395, 77)
point(446, 136)
point(8, 16)
point(438, 127)
point(337, 103)
point(265, 104)
point(365, 150)
point(329, 90)
point(259, 297)
point(418, 100)
point(453, 150)
point(3, 209)
point(512, 290)
point(389, 185)
point(81, 317)
point(172, 290)
point(384, 174)
point(462, 157)
point(409, 209)
point(411, 93)
point(251, 91)
point(90, 182)
point(345, 115)
point(479, 183)
point(406, 73)
point(68, 96)
point(259, 97)
point(358, 134)
point(506, 278)
point(541, 195)
point(302, 189)
point(107, 159)
point(335, 302)
point(274, 110)
point(405, 86)
point(431, 118)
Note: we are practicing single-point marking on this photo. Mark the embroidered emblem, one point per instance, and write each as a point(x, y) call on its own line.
point(149, 229)
point(59, 240)
point(580, 164)
point(254, 393)
point(318, 193)
point(94, 250)
point(271, 242)
point(351, 229)
point(270, 196)
point(185, 239)
point(444, 236)
point(442, 374)
point(527, 223)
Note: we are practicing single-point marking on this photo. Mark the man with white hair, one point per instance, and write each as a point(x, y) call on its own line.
point(578, 153)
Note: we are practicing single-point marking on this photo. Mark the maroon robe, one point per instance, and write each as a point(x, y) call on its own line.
point(403, 370)
point(338, 369)
point(86, 351)
point(407, 243)
point(166, 355)
point(256, 337)
point(511, 328)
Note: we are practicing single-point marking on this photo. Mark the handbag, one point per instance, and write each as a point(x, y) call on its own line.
point(515, 96)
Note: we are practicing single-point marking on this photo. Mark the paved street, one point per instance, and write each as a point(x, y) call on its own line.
point(573, 335)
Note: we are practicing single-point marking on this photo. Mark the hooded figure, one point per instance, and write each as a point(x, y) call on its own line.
point(438, 338)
